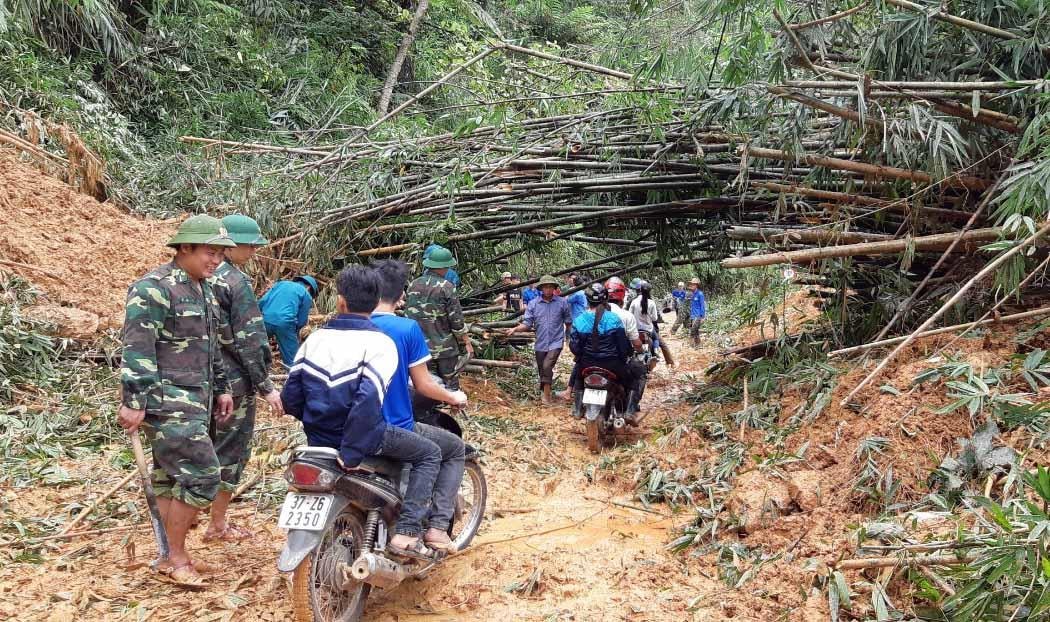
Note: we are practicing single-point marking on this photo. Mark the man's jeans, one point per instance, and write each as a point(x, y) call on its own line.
point(425, 458)
point(449, 477)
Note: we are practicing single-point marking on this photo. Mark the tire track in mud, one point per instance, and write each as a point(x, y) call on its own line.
point(559, 542)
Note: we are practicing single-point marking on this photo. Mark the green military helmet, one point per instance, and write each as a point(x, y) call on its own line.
point(440, 258)
point(244, 230)
point(547, 279)
point(202, 229)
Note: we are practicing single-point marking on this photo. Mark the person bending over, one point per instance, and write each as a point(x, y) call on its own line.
point(336, 387)
point(412, 355)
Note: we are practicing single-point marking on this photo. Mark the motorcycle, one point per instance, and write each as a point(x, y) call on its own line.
point(340, 520)
point(603, 405)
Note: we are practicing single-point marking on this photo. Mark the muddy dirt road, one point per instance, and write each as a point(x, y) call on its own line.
point(563, 539)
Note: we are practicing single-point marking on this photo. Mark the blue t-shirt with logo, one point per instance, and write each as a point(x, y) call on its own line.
point(412, 350)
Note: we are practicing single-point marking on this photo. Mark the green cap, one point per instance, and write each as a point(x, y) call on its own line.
point(244, 230)
point(202, 229)
point(547, 279)
point(440, 258)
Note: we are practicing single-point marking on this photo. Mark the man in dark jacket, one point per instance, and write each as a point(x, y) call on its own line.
point(598, 338)
point(336, 387)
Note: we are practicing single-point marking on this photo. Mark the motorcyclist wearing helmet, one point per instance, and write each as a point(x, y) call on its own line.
point(617, 291)
point(647, 313)
point(598, 338)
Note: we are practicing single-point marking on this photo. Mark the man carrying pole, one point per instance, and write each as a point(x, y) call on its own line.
point(431, 301)
point(173, 382)
point(247, 359)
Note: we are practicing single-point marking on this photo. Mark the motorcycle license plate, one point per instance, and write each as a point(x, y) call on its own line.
point(305, 511)
point(594, 396)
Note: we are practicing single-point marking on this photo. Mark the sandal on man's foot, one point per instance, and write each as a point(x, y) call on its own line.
point(183, 575)
point(416, 550)
point(439, 541)
point(231, 533)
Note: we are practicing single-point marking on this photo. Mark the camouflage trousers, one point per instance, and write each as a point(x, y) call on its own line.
point(185, 466)
point(232, 441)
point(445, 368)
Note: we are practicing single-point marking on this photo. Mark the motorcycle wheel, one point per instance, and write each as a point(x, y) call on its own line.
point(594, 435)
point(317, 593)
point(470, 506)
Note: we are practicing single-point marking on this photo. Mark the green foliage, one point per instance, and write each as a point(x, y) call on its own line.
point(27, 352)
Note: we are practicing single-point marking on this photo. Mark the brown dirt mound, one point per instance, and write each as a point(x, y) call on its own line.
point(79, 252)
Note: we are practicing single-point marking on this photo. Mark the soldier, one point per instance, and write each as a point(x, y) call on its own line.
point(433, 304)
point(247, 358)
point(173, 381)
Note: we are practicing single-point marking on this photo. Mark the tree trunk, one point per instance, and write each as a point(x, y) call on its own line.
point(402, 53)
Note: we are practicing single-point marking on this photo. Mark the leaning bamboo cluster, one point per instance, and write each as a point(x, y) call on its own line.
point(613, 178)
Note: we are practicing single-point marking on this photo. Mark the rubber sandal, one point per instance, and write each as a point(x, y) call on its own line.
point(232, 533)
point(417, 550)
point(443, 546)
point(184, 575)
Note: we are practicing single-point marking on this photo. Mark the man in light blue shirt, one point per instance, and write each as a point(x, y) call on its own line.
point(551, 318)
point(285, 310)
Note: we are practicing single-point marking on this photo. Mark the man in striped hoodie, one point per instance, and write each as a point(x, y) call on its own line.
point(336, 387)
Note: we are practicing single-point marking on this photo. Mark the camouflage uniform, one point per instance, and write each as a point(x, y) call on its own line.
point(432, 303)
point(172, 368)
point(247, 358)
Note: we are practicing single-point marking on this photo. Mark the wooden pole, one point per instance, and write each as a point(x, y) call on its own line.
point(941, 559)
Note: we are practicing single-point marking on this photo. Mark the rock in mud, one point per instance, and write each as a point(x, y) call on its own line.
point(758, 499)
point(69, 322)
point(806, 489)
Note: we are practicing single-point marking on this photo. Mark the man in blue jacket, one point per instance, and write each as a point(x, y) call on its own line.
point(697, 310)
point(285, 310)
point(336, 388)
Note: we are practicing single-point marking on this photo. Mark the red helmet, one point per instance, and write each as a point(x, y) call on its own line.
point(617, 290)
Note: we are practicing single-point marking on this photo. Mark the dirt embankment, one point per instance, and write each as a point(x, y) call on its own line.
point(81, 253)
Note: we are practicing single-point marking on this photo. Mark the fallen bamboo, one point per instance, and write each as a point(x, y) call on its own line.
point(77, 534)
point(968, 326)
point(865, 168)
point(988, 269)
point(94, 504)
point(779, 235)
point(942, 559)
point(494, 363)
point(885, 247)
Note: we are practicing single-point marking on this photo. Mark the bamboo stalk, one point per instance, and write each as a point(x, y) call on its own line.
point(966, 327)
point(942, 559)
point(992, 265)
point(885, 247)
point(864, 168)
point(94, 504)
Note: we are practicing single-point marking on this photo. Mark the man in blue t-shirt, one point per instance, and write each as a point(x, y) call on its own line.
point(697, 310)
point(413, 354)
point(528, 294)
point(678, 296)
point(577, 300)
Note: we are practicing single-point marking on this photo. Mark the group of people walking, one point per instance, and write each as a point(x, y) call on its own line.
point(196, 353)
point(553, 318)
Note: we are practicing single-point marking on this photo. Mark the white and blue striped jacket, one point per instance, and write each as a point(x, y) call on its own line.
point(337, 384)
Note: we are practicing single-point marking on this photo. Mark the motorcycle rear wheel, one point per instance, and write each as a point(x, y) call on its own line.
point(594, 435)
point(470, 506)
point(317, 595)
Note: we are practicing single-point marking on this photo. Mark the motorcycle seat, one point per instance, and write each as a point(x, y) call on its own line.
point(383, 466)
point(601, 371)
